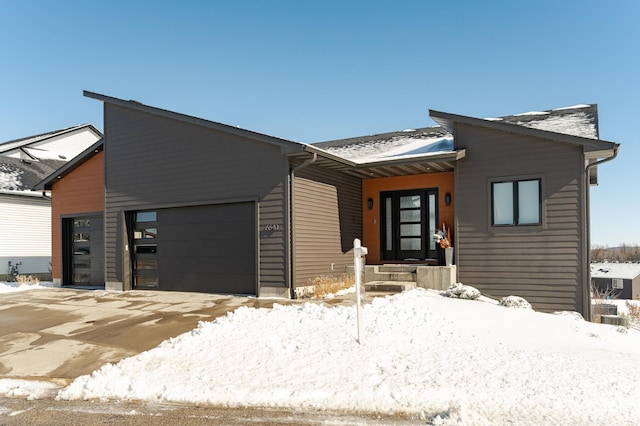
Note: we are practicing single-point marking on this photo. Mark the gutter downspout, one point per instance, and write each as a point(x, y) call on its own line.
point(586, 298)
point(292, 175)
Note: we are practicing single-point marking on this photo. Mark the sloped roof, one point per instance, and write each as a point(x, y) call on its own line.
point(410, 142)
point(17, 175)
point(25, 142)
point(626, 271)
point(580, 121)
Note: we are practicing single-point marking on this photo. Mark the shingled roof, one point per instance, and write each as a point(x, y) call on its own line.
point(17, 175)
point(579, 120)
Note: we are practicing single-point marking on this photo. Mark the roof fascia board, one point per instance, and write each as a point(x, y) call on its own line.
point(446, 120)
point(322, 153)
point(592, 155)
point(193, 120)
point(452, 156)
point(31, 194)
point(69, 166)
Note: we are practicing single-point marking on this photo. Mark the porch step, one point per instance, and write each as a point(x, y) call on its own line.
point(386, 273)
point(390, 286)
point(397, 268)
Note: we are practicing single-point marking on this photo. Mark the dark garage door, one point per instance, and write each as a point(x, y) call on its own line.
point(210, 249)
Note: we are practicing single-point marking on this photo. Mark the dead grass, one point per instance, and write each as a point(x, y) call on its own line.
point(27, 280)
point(634, 313)
point(321, 286)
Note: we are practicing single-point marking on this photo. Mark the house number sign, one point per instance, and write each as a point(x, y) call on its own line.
point(272, 227)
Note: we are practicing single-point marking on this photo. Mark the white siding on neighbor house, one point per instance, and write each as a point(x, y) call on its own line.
point(25, 233)
point(68, 145)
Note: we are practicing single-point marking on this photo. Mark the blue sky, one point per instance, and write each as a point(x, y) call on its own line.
point(320, 70)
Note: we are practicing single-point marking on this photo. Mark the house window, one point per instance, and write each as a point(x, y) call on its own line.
point(516, 202)
point(617, 284)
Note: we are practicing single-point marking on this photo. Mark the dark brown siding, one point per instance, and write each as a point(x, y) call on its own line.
point(544, 263)
point(153, 161)
point(327, 218)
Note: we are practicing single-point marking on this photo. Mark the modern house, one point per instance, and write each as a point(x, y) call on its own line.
point(183, 203)
point(25, 214)
point(619, 280)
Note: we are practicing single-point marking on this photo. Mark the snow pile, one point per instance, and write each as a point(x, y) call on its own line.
point(10, 287)
point(11, 388)
point(515, 302)
point(449, 361)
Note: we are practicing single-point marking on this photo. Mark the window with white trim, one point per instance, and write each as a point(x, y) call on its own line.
point(617, 284)
point(516, 202)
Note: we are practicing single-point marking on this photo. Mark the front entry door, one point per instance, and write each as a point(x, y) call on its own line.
point(408, 222)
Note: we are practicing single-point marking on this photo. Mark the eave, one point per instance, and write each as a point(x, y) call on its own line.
point(402, 166)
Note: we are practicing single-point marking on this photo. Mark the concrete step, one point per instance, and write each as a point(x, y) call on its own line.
point(390, 286)
point(392, 276)
point(397, 268)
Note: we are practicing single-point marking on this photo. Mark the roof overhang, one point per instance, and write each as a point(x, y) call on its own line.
point(401, 166)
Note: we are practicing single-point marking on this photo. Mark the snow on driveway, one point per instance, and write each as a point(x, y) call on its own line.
point(446, 360)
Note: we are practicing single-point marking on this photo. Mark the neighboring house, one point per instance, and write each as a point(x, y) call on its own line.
point(617, 280)
point(62, 144)
point(195, 205)
point(25, 214)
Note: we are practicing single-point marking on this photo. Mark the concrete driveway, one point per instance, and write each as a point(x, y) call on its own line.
point(58, 334)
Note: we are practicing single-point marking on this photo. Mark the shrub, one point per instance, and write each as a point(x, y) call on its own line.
point(515, 302)
point(461, 291)
point(633, 310)
point(600, 297)
point(27, 280)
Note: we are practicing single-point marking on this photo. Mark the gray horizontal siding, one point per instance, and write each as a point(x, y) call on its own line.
point(327, 218)
point(153, 161)
point(541, 263)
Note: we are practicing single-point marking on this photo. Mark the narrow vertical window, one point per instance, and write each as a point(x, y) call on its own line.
point(388, 224)
point(432, 221)
point(528, 202)
point(503, 213)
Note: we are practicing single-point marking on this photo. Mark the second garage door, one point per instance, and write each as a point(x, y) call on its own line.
point(210, 249)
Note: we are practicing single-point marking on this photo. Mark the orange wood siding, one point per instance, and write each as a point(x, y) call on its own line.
point(79, 192)
point(371, 188)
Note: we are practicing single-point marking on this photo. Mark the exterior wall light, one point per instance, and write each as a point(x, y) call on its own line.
point(447, 199)
point(370, 203)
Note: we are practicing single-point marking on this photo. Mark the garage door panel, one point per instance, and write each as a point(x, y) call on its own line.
point(208, 249)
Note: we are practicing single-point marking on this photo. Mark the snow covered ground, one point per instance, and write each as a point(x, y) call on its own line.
point(10, 287)
point(448, 361)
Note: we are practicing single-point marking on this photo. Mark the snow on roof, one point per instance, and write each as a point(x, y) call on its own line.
point(627, 271)
point(578, 120)
point(395, 145)
point(18, 175)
